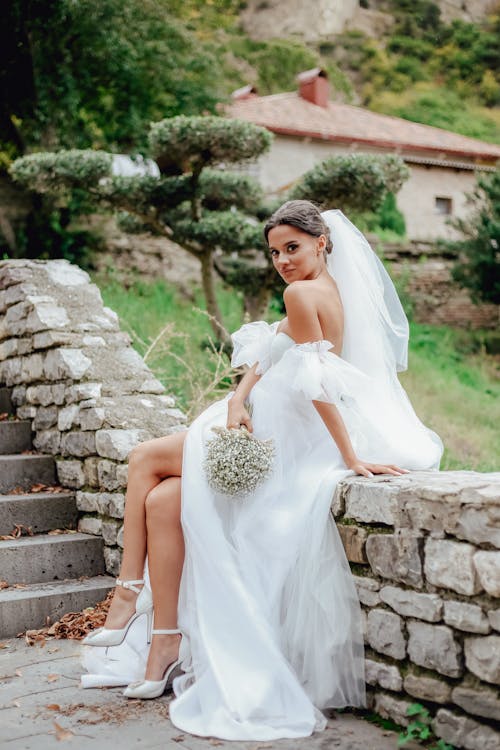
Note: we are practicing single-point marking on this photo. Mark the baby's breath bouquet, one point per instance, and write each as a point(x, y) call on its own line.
point(236, 462)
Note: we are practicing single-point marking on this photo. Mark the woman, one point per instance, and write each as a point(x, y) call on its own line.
point(262, 592)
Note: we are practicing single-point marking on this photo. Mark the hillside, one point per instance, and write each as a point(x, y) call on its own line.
point(435, 63)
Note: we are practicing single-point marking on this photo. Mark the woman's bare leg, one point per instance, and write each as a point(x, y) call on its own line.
point(149, 463)
point(165, 544)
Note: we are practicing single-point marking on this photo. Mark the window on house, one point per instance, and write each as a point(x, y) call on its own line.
point(443, 205)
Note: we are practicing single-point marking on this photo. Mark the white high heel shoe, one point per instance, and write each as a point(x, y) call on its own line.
point(143, 606)
point(153, 688)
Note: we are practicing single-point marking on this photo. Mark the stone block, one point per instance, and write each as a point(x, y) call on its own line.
point(482, 657)
point(45, 394)
point(47, 441)
point(479, 701)
point(116, 505)
point(46, 315)
point(427, 688)
point(480, 524)
point(46, 417)
point(463, 732)
point(385, 633)
point(65, 363)
point(110, 531)
point(68, 417)
point(450, 565)
point(367, 590)
point(65, 274)
point(393, 708)
point(434, 647)
point(90, 471)
point(396, 556)
point(372, 502)
point(117, 444)
point(90, 525)
point(70, 473)
point(108, 474)
point(92, 419)
point(386, 675)
point(78, 444)
point(26, 412)
point(338, 502)
point(465, 616)
point(487, 565)
point(112, 560)
point(413, 604)
point(31, 368)
point(494, 618)
point(48, 339)
point(96, 502)
point(18, 395)
point(353, 538)
point(81, 391)
point(119, 537)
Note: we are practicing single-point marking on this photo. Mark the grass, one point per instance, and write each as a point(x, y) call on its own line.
point(453, 385)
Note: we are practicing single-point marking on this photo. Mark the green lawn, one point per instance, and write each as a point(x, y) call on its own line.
point(454, 390)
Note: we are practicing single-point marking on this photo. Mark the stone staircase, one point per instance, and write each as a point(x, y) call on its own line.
point(48, 574)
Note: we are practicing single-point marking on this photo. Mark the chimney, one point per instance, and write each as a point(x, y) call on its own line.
point(246, 92)
point(313, 86)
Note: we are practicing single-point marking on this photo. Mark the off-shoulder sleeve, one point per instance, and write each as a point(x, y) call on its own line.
point(252, 343)
point(320, 375)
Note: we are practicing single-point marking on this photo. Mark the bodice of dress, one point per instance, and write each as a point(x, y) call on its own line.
point(279, 344)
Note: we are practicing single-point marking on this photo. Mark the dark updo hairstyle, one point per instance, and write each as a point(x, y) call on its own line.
point(303, 215)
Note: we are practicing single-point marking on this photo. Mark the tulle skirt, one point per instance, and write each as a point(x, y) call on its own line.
point(270, 617)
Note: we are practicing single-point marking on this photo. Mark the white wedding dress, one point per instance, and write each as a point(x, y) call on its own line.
point(270, 617)
point(268, 609)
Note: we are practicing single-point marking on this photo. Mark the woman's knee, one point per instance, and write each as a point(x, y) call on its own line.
point(163, 503)
point(139, 455)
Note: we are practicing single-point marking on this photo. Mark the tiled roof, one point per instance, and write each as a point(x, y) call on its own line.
point(290, 114)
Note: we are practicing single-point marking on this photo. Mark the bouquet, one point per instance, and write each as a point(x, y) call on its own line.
point(236, 462)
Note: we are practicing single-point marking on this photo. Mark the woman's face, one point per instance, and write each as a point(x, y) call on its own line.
point(296, 255)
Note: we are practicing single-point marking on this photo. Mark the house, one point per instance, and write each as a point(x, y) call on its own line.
point(309, 127)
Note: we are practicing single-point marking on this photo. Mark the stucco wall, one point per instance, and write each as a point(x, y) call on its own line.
point(290, 157)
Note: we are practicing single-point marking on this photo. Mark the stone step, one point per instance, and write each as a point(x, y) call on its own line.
point(42, 511)
point(15, 436)
point(51, 557)
point(28, 608)
point(5, 402)
point(24, 471)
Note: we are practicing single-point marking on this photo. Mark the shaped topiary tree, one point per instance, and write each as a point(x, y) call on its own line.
point(195, 201)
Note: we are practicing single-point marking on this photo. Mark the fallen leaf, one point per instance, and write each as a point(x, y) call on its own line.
point(62, 733)
point(179, 738)
point(19, 673)
point(4, 645)
point(16, 704)
point(53, 707)
point(4, 585)
point(213, 741)
point(53, 677)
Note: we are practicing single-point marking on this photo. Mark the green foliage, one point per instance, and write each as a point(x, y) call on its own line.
point(356, 182)
point(231, 231)
point(220, 190)
point(190, 143)
point(55, 172)
point(478, 264)
point(95, 72)
point(420, 729)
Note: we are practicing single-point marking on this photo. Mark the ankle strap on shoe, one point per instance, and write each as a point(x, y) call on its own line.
point(173, 631)
point(130, 584)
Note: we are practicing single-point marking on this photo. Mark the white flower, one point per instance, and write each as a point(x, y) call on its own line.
point(236, 462)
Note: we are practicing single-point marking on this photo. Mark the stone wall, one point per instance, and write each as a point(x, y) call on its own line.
point(89, 394)
point(424, 548)
point(425, 552)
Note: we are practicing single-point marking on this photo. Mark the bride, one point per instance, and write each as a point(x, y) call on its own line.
point(256, 620)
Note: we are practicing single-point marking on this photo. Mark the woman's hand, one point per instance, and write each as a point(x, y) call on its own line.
point(237, 415)
point(368, 470)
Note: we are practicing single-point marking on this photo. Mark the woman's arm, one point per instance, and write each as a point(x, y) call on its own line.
point(304, 324)
point(236, 412)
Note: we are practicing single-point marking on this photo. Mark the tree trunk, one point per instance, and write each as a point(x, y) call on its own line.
point(208, 283)
point(256, 304)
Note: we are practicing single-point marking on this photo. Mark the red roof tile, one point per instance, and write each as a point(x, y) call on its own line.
point(290, 114)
